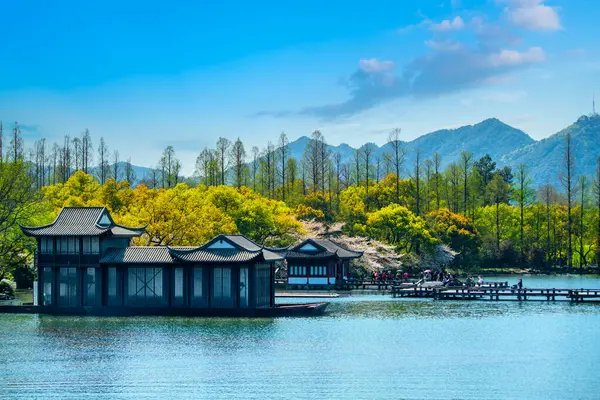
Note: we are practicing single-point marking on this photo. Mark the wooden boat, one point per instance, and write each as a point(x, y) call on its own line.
point(282, 310)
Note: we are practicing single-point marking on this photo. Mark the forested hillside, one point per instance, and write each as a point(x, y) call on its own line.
point(491, 216)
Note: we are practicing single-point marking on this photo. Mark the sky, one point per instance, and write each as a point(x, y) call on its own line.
point(147, 74)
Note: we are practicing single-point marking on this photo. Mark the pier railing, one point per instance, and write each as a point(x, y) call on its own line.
point(498, 293)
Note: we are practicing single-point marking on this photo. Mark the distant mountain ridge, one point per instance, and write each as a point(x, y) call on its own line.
point(504, 143)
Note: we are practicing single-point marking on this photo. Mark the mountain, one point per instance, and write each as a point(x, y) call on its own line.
point(491, 137)
point(545, 159)
point(506, 145)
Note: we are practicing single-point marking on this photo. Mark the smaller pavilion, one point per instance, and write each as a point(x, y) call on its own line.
point(318, 263)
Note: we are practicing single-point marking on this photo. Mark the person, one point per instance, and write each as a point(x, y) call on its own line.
point(480, 280)
point(405, 275)
point(520, 284)
point(469, 281)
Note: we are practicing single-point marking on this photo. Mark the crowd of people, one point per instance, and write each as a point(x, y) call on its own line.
point(388, 276)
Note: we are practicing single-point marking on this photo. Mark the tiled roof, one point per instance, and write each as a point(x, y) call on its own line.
point(137, 255)
point(237, 248)
point(82, 221)
point(203, 254)
point(304, 254)
point(325, 248)
point(215, 255)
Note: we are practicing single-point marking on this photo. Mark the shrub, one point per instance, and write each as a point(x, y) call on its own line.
point(6, 290)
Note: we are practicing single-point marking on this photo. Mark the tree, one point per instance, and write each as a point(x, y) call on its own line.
point(116, 166)
point(76, 142)
point(357, 162)
point(417, 180)
point(498, 190)
point(582, 185)
point(170, 167)
point(398, 154)
point(466, 159)
point(86, 151)
point(437, 162)
point(238, 155)
point(314, 160)
point(567, 180)
point(255, 165)
point(548, 195)
point(222, 147)
point(103, 165)
point(396, 225)
point(597, 194)
point(16, 144)
point(367, 151)
point(458, 232)
point(1, 144)
point(486, 168)
point(129, 172)
point(523, 197)
point(283, 156)
point(20, 205)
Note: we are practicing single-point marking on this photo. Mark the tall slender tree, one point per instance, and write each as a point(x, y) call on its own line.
point(238, 155)
point(283, 157)
point(103, 165)
point(466, 160)
point(223, 146)
point(567, 180)
point(437, 165)
point(398, 154)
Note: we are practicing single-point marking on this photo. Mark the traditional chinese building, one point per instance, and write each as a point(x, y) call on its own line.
point(318, 263)
point(86, 265)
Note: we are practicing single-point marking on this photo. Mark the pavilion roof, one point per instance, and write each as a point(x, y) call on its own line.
point(83, 221)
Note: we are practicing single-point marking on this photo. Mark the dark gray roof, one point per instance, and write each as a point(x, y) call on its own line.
point(215, 255)
point(82, 221)
point(234, 253)
point(227, 249)
point(326, 248)
point(137, 255)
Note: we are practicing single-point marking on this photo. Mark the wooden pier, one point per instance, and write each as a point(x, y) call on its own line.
point(498, 293)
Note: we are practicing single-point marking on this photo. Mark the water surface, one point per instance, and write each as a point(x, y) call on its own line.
point(365, 347)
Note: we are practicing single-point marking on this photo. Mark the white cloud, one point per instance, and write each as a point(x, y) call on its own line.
point(512, 58)
point(443, 45)
point(449, 25)
point(373, 65)
point(532, 15)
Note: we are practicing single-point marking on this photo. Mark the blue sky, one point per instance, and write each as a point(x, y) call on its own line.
point(147, 74)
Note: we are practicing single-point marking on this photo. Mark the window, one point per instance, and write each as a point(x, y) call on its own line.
point(95, 244)
point(262, 284)
point(222, 296)
point(198, 298)
point(89, 286)
point(67, 245)
point(67, 284)
point(48, 280)
point(113, 284)
point(177, 287)
point(244, 287)
point(318, 271)
point(91, 245)
point(145, 286)
point(47, 245)
point(297, 271)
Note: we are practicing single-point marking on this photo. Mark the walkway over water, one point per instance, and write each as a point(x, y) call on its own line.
point(497, 293)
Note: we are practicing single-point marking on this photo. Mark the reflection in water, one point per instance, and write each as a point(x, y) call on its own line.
point(365, 347)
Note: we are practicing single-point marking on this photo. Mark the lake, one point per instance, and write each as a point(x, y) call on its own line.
point(365, 347)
